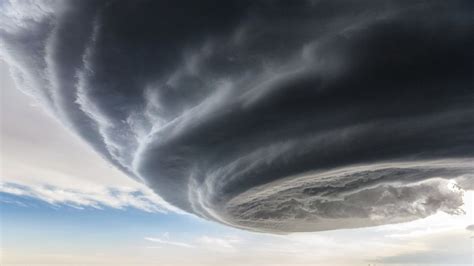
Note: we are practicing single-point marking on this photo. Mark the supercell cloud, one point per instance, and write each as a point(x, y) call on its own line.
point(274, 116)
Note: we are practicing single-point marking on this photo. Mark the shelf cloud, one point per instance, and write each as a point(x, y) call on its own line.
point(273, 116)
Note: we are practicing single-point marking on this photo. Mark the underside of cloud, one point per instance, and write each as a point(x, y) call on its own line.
point(274, 116)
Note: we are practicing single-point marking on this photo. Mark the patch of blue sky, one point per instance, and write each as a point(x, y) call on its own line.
point(29, 222)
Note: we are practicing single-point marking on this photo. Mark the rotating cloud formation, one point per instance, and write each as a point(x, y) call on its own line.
point(274, 116)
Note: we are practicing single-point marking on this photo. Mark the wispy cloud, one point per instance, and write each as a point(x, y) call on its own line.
point(14, 202)
point(216, 243)
point(96, 197)
point(165, 241)
point(227, 243)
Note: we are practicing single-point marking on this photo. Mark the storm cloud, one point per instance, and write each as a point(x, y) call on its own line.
point(275, 116)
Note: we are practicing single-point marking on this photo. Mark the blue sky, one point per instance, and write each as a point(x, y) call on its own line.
point(27, 222)
point(60, 233)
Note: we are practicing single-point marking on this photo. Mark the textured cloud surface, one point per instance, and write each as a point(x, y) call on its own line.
point(274, 116)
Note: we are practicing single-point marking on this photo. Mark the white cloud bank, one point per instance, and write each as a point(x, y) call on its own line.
point(95, 197)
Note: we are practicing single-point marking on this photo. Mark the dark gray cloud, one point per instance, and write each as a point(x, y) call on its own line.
point(274, 116)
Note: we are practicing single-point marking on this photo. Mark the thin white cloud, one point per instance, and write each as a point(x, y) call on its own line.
point(203, 242)
point(96, 197)
point(14, 202)
point(165, 241)
point(227, 243)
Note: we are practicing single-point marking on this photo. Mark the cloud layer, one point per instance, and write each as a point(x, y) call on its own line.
point(98, 197)
point(265, 115)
